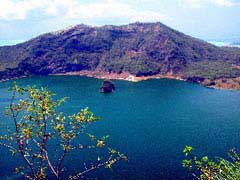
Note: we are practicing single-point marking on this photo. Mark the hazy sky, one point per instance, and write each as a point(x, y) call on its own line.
point(206, 19)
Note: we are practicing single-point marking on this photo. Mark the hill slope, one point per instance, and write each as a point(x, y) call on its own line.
point(140, 49)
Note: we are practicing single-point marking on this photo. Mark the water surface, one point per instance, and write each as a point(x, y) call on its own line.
point(149, 121)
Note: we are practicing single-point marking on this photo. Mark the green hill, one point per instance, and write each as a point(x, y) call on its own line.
point(141, 49)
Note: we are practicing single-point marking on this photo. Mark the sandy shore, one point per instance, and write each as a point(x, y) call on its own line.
point(122, 76)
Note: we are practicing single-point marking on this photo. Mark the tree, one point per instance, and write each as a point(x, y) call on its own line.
point(217, 169)
point(40, 129)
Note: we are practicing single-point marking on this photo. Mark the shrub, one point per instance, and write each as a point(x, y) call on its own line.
point(217, 169)
point(39, 129)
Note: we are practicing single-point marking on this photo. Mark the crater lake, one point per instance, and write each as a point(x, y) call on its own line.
point(149, 121)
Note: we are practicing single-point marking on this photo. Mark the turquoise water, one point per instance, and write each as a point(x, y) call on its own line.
point(149, 121)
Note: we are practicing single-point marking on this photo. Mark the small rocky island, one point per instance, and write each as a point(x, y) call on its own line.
point(107, 87)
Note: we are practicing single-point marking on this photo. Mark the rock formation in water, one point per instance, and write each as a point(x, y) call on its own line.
point(107, 87)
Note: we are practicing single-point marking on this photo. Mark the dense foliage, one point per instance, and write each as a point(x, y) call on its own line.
point(43, 137)
point(212, 70)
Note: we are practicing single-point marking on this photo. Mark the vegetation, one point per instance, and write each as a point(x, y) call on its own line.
point(217, 169)
point(212, 70)
point(43, 137)
point(141, 49)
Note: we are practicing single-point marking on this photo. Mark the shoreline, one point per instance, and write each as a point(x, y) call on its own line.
point(15, 78)
point(114, 76)
point(131, 78)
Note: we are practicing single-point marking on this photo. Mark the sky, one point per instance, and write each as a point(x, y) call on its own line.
point(21, 20)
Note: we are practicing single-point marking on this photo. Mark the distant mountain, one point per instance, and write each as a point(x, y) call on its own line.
point(140, 49)
point(226, 42)
point(8, 42)
point(236, 42)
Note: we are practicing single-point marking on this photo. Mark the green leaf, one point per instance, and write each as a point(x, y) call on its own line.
point(187, 163)
point(187, 150)
point(205, 159)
